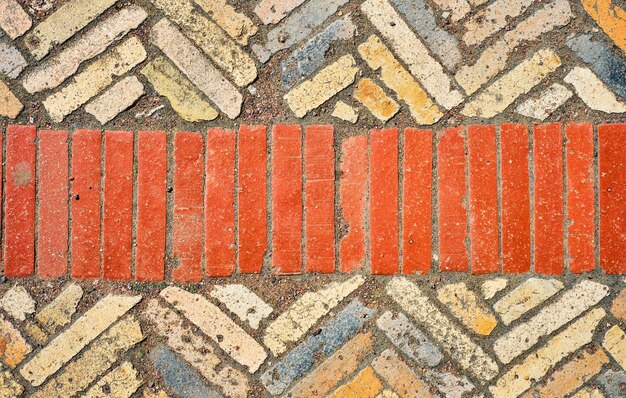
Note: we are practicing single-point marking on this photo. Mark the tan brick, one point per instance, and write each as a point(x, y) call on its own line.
point(13, 347)
point(374, 98)
point(525, 297)
point(548, 101)
point(593, 92)
point(117, 98)
point(387, 394)
point(9, 388)
point(364, 385)
point(59, 312)
point(493, 19)
point(491, 287)
point(272, 11)
point(457, 8)
point(35, 334)
point(588, 392)
point(13, 19)
point(243, 302)
point(615, 343)
point(618, 307)
point(121, 382)
point(236, 24)
point(10, 106)
point(17, 303)
point(400, 376)
point(345, 112)
point(465, 305)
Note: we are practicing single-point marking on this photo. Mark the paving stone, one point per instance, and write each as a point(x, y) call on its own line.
point(236, 24)
point(56, 69)
point(224, 52)
point(9, 387)
point(568, 307)
point(618, 307)
point(492, 287)
point(292, 324)
point(94, 361)
point(197, 68)
point(399, 375)
point(493, 19)
point(69, 343)
point(273, 11)
point(219, 327)
point(615, 343)
point(309, 58)
point(119, 97)
point(611, 17)
point(415, 55)
point(548, 101)
point(465, 305)
point(456, 343)
point(364, 385)
point(330, 337)
point(94, 78)
point(323, 86)
point(594, 93)
point(14, 21)
point(13, 347)
point(12, 62)
point(10, 105)
point(195, 350)
point(373, 97)
point(525, 297)
point(456, 9)
point(63, 24)
point(613, 383)
point(18, 303)
point(345, 112)
point(59, 312)
point(297, 26)
point(535, 366)
point(242, 302)
point(121, 382)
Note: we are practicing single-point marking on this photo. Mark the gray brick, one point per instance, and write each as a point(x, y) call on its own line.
point(11, 61)
point(613, 382)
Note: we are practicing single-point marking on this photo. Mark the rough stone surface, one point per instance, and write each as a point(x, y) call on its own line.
point(345, 112)
point(492, 287)
point(59, 312)
point(243, 302)
point(116, 99)
point(17, 303)
point(525, 297)
point(594, 93)
point(547, 102)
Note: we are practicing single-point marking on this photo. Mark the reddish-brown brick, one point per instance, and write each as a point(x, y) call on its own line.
point(53, 198)
point(353, 196)
point(118, 205)
point(287, 199)
point(319, 229)
point(19, 221)
point(580, 197)
point(252, 160)
point(417, 201)
point(612, 140)
point(188, 206)
point(86, 188)
point(451, 197)
point(483, 199)
point(384, 201)
point(219, 203)
point(151, 201)
point(515, 202)
point(548, 217)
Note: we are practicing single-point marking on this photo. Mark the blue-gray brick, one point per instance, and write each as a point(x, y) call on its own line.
point(11, 61)
point(613, 382)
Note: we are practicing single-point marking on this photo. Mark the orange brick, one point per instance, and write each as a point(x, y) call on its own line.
point(364, 385)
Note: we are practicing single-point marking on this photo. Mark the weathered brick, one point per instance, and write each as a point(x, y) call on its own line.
point(9, 387)
point(493, 286)
point(618, 308)
point(242, 302)
point(53, 197)
point(17, 303)
point(525, 297)
point(383, 182)
point(373, 97)
point(14, 21)
point(492, 19)
point(365, 384)
point(615, 343)
point(548, 101)
point(236, 24)
point(465, 305)
point(59, 312)
point(10, 105)
point(610, 17)
point(116, 99)
point(273, 11)
point(399, 375)
point(456, 8)
point(12, 62)
point(122, 381)
point(345, 112)
point(14, 347)
point(593, 92)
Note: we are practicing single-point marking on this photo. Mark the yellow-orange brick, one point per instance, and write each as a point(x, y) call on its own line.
point(364, 385)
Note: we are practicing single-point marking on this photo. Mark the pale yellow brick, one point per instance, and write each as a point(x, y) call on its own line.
point(615, 343)
point(10, 106)
point(465, 305)
point(345, 112)
point(525, 297)
point(457, 8)
point(374, 98)
point(364, 385)
point(35, 334)
point(493, 19)
point(117, 98)
point(387, 394)
point(593, 92)
point(121, 382)
point(17, 303)
point(589, 392)
point(9, 388)
point(236, 24)
point(618, 307)
point(491, 287)
point(59, 312)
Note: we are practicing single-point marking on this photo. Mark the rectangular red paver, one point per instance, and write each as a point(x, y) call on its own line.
point(252, 205)
point(383, 173)
point(612, 141)
point(151, 205)
point(319, 202)
point(483, 199)
point(417, 201)
point(188, 206)
point(287, 199)
point(219, 203)
point(53, 197)
point(85, 203)
point(353, 198)
point(117, 213)
point(19, 219)
point(548, 217)
point(580, 197)
point(515, 198)
point(451, 196)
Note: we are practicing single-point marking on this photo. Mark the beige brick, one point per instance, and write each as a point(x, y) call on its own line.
point(119, 97)
point(59, 312)
point(413, 52)
point(492, 287)
point(400, 376)
point(364, 385)
point(322, 87)
point(374, 98)
point(457, 8)
point(548, 101)
point(69, 343)
point(149, 394)
point(94, 78)
point(272, 11)
point(13, 347)
point(121, 382)
point(521, 79)
point(615, 343)
point(10, 106)
point(35, 334)
point(55, 70)
point(94, 361)
point(345, 112)
point(593, 92)
point(218, 326)
point(13, 19)
point(236, 24)
point(525, 297)
point(535, 366)
point(618, 307)
point(465, 305)
point(17, 303)
point(242, 302)
point(292, 324)
point(493, 19)
point(589, 392)
point(63, 24)
point(9, 388)
point(387, 394)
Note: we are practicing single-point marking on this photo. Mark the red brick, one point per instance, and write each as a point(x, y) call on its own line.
point(252, 160)
point(86, 188)
point(417, 201)
point(483, 198)
point(548, 218)
point(353, 197)
point(151, 202)
point(188, 206)
point(384, 201)
point(19, 221)
point(451, 197)
point(612, 140)
point(219, 203)
point(515, 202)
point(287, 199)
point(580, 197)
point(53, 198)
point(117, 222)
point(319, 226)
